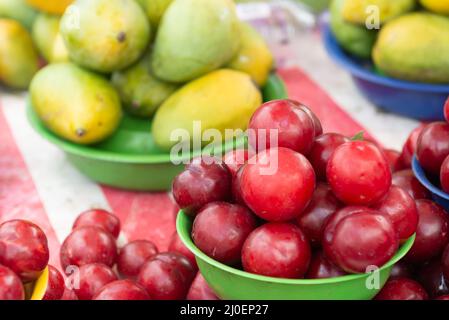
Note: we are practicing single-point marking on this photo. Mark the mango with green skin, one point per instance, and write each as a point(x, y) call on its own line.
point(358, 11)
point(75, 104)
point(223, 99)
point(18, 10)
point(105, 35)
point(48, 39)
point(438, 6)
point(355, 39)
point(254, 57)
point(154, 9)
point(194, 38)
point(19, 60)
point(414, 47)
point(140, 91)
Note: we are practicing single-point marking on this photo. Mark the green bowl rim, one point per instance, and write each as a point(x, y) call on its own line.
point(91, 152)
point(184, 234)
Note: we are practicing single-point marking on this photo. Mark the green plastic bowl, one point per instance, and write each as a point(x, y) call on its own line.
point(130, 159)
point(233, 284)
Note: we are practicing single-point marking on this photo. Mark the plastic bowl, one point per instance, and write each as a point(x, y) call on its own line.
point(422, 101)
point(438, 195)
point(232, 284)
point(130, 159)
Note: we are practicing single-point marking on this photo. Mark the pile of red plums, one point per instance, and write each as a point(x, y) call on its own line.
point(313, 205)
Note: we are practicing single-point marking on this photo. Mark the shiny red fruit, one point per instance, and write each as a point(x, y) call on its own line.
point(277, 184)
point(86, 245)
point(200, 290)
point(433, 147)
point(321, 268)
point(409, 149)
point(362, 240)
point(133, 255)
point(446, 110)
point(203, 181)
point(394, 159)
point(444, 175)
point(176, 245)
point(69, 294)
point(295, 128)
point(432, 279)
point(358, 173)
point(401, 270)
point(432, 234)
point(445, 263)
point(406, 180)
point(99, 218)
point(23, 249)
point(235, 159)
point(236, 189)
point(277, 250)
point(167, 276)
point(316, 121)
point(55, 285)
point(91, 277)
point(323, 204)
point(402, 289)
point(11, 287)
point(122, 290)
point(445, 297)
point(400, 208)
point(322, 150)
point(220, 229)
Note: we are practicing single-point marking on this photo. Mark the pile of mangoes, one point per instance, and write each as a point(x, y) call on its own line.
point(175, 61)
point(412, 42)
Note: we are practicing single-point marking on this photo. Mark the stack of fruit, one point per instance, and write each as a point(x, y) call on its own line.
point(315, 205)
point(404, 48)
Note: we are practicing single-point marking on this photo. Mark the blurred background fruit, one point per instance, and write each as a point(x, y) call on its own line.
point(357, 11)
point(50, 6)
point(48, 39)
point(438, 6)
point(155, 10)
point(18, 10)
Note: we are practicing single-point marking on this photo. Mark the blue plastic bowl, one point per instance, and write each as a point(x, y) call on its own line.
point(422, 101)
point(438, 195)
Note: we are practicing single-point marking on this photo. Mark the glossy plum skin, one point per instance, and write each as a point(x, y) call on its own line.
point(133, 255)
point(444, 175)
point(99, 218)
point(277, 250)
point(176, 245)
point(409, 148)
point(295, 128)
point(406, 180)
point(69, 294)
point(11, 287)
point(358, 173)
point(322, 205)
point(220, 229)
point(321, 268)
point(278, 184)
point(204, 180)
point(316, 121)
point(322, 150)
point(400, 208)
point(401, 270)
point(92, 277)
point(432, 279)
point(235, 159)
point(55, 286)
point(402, 289)
point(167, 276)
point(394, 159)
point(432, 234)
point(361, 240)
point(200, 290)
point(433, 147)
point(445, 263)
point(122, 290)
point(446, 110)
point(23, 249)
point(86, 245)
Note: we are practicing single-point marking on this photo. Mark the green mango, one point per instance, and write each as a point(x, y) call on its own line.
point(154, 9)
point(141, 92)
point(355, 11)
point(356, 40)
point(194, 38)
point(48, 39)
point(414, 47)
point(18, 10)
point(75, 104)
point(105, 35)
point(19, 60)
point(223, 99)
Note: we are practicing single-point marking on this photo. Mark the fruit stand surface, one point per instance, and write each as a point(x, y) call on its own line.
point(37, 183)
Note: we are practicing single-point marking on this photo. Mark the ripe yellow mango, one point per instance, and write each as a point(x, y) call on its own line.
point(438, 6)
point(357, 11)
point(155, 9)
point(50, 6)
point(48, 39)
point(18, 10)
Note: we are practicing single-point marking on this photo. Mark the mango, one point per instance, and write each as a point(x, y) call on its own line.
point(223, 99)
point(50, 6)
point(438, 6)
point(19, 60)
point(105, 35)
point(194, 38)
point(414, 47)
point(357, 11)
point(75, 104)
point(48, 39)
point(355, 39)
point(18, 10)
point(254, 57)
point(140, 91)
point(154, 9)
